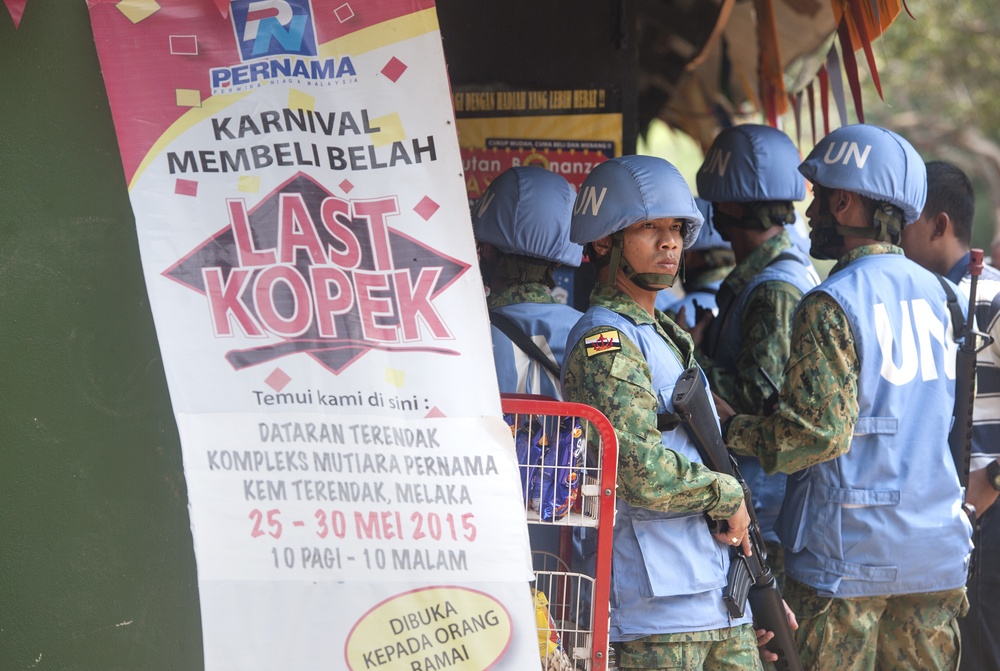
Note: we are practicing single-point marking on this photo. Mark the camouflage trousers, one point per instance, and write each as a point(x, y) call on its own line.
point(909, 632)
point(732, 649)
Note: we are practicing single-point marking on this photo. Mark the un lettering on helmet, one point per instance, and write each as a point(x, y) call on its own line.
point(751, 163)
point(872, 161)
point(632, 189)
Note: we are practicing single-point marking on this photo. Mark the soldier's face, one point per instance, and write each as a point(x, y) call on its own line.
point(654, 246)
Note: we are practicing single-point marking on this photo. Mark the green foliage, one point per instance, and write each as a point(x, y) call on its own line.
point(943, 65)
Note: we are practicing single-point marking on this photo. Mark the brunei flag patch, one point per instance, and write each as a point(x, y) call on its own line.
point(606, 341)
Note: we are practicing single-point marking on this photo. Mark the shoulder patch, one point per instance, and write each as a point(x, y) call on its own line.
point(605, 341)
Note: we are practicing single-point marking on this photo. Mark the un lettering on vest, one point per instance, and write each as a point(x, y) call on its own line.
point(916, 352)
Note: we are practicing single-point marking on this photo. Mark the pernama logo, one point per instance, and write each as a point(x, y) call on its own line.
point(248, 76)
point(278, 44)
point(273, 28)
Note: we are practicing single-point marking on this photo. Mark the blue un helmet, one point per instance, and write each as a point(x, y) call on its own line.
point(754, 165)
point(875, 163)
point(525, 213)
point(628, 190)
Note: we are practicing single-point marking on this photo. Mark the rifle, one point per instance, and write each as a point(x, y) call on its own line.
point(960, 438)
point(972, 342)
point(749, 577)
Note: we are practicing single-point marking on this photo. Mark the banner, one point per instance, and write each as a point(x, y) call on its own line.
point(301, 211)
point(567, 131)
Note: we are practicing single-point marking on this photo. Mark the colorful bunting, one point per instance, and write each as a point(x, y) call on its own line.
point(851, 67)
point(824, 98)
point(857, 15)
point(836, 83)
point(812, 110)
point(771, 71)
point(876, 15)
point(795, 100)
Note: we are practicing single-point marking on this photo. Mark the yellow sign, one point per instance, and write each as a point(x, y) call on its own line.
point(451, 628)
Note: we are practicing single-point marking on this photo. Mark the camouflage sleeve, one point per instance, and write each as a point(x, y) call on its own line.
point(819, 395)
point(766, 335)
point(650, 476)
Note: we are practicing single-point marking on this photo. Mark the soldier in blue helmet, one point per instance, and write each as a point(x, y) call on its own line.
point(636, 215)
point(706, 264)
point(877, 545)
point(522, 224)
point(750, 175)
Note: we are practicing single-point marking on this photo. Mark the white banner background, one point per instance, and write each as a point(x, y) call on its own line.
point(318, 539)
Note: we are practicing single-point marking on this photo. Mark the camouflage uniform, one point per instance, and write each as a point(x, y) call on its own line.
point(724, 649)
point(765, 334)
point(764, 342)
point(815, 423)
point(618, 384)
point(907, 631)
point(513, 294)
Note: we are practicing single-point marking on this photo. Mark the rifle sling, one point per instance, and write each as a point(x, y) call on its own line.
point(523, 342)
point(961, 455)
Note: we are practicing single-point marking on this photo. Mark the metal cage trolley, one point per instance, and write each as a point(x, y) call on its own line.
point(568, 459)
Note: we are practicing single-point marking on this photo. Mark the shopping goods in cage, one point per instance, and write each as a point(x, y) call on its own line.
point(550, 452)
point(568, 454)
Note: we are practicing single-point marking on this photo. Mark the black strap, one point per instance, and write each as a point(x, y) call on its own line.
point(961, 453)
point(521, 339)
point(957, 318)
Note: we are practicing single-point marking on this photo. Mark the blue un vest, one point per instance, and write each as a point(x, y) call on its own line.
point(667, 570)
point(886, 517)
point(723, 345)
point(548, 324)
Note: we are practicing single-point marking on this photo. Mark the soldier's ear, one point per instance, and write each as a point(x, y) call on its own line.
point(840, 200)
point(940, 223)
point(602, 246)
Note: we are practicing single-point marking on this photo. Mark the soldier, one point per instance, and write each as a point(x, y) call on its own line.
point(877, 545)
point(706, 264)
point(939, 241)
point(750, 175)
point(636, 213)
point(521, 224)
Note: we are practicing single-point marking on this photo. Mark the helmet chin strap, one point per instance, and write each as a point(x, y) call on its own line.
point(828, 234)
point(647, 281)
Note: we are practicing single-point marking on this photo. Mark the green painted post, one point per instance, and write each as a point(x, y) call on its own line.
point(97, 569)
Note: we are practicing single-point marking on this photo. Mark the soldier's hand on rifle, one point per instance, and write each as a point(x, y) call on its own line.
point(723, 408)
point(697, 332)
point(980, 493)
point(764, 636)
point(735, 530)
